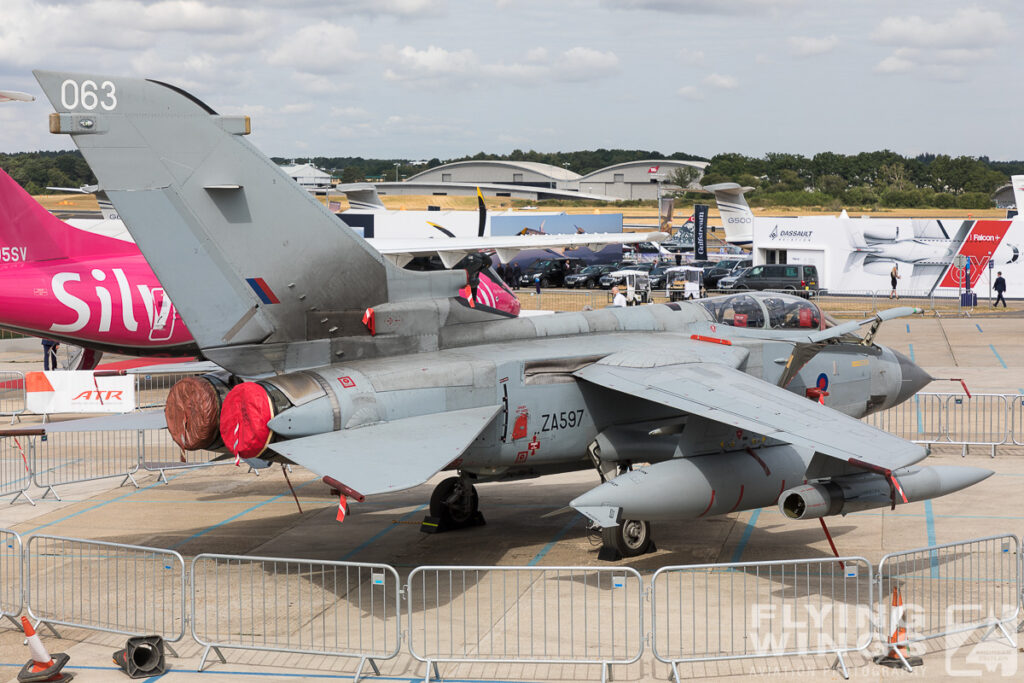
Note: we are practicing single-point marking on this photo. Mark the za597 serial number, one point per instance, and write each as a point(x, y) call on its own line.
point(563, 420)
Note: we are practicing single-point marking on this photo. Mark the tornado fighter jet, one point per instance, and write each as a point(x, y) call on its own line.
point(377, 378)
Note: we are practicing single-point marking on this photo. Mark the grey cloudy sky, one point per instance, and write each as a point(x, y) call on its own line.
point(442, 78)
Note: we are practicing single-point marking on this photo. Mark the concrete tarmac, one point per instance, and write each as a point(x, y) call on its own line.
point(224, 509)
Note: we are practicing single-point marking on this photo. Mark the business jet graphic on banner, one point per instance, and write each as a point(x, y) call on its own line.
point(860, 253)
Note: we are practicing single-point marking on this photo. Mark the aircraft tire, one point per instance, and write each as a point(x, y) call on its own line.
point(630, 538)
point(454, 509)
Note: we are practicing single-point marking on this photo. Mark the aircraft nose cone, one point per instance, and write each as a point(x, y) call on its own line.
point(913, 378)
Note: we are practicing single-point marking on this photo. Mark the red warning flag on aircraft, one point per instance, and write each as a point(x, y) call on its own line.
point(370, 321)
point(342, 507)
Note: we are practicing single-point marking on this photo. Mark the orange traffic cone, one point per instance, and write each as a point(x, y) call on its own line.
point(898, 654)
point(42, 667)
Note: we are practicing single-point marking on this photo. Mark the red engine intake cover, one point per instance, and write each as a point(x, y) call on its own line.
point(243, 420)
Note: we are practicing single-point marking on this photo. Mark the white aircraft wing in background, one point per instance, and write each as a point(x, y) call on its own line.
point(452, 249)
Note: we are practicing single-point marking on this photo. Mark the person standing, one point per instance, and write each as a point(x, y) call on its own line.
point(618, 299)
point(50, 354)
point(894, 275)
point(517, 274)
point(1000, 287)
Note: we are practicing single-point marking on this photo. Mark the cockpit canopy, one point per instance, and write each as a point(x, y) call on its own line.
point(766, 311)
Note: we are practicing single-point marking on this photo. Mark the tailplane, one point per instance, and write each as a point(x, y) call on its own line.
point(737, 218)
point(247, 255)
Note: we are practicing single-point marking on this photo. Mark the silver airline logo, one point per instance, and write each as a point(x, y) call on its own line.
point(790, 234)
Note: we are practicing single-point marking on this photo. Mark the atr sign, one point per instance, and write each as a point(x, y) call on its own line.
point(64, 391)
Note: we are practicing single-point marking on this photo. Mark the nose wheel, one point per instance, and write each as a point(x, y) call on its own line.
point(632, 537)
point(454, 504)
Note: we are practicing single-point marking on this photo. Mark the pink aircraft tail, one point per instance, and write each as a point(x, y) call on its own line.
point(28, 232)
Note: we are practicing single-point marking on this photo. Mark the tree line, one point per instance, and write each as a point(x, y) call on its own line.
point(827, 179)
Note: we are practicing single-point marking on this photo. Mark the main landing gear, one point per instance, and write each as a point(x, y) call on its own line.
point(454, 504)
point(632, 537)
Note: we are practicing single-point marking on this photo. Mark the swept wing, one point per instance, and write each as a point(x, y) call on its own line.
point(389, 456)
point(732, 397)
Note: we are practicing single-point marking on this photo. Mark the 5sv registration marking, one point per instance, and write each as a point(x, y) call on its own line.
point(562, 420)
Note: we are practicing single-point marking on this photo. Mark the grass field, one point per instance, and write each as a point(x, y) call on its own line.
point(74, 202)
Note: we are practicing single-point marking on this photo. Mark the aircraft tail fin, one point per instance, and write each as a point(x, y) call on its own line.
point(1018, 192)
point(30, 233)
point(247, 255)
point(362, 196)
point(737, 218)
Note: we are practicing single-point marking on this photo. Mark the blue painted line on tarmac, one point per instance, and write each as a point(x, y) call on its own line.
point(911, 347)
point(376, 537)
point(908, 328)
point(234, 517)
point(998, 357)
point(745, 538)
point(551, 544)
point(99, 505)
point(929, 517)
point(979, 327)
point(52, 469)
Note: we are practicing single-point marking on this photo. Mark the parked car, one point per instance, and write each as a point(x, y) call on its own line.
point(793, 277)
point(657, 276)
point(552, 272)
point(724, 269)
point(729, 281)
point(589, 276)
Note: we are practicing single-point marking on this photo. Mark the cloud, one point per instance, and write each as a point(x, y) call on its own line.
point(431, 63)
point(395, 8)
point(583, 63)
point(434, 64)
point(721, 81)
point(691, 92)
point(900, 61)
point(321, 48)
point(940, 50)
point(812, 46)
point(688, 57)
point(967, 27)
point(724, 7)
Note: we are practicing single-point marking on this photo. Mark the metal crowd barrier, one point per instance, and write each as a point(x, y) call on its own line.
point(949, 589)
point(12, 588)
point(12, 394)
point(159, 453)
point(15, 467)
point(346, 609)
point(552, 615)
point(151, 390)
point(1017, 420)
point(63, 458)
point(712, 612)
point(977, 420)
point(109, 587)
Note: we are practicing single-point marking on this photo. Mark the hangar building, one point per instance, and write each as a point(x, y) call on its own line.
point(630, 180)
